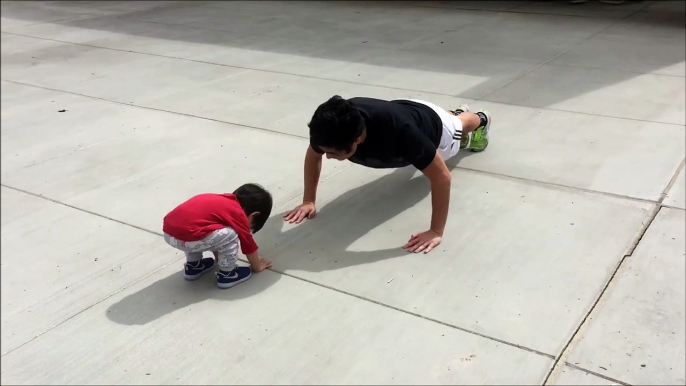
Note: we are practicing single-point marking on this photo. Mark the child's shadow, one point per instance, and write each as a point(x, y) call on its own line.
point(323, 243)
point(173, 293)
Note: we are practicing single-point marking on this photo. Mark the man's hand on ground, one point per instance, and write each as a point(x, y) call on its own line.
point(302, 211)
point(424, 241)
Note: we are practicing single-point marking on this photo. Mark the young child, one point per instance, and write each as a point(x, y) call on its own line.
point(219, 223)
point(393, 134)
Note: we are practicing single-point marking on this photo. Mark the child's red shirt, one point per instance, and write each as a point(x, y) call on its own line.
point(203, 214)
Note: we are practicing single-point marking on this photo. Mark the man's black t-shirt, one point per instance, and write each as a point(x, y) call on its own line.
point(399, 133)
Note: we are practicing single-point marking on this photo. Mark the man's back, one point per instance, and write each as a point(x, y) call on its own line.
point(398, 133)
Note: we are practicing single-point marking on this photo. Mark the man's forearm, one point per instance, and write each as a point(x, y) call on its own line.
point(440, 203)
point(313, 169)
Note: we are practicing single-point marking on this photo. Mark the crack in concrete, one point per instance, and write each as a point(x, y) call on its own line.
point(522, 75)
point(631, 248)
point(637, 239)
point(599, 375)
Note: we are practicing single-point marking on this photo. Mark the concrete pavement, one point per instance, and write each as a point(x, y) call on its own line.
point(564, 255)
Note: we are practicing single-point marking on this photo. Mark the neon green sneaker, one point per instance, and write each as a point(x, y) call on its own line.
point(477, 140)
point(464, 142)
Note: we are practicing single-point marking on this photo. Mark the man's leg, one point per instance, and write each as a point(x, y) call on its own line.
point(474, 128)
point(460, 127)
point(470, 121)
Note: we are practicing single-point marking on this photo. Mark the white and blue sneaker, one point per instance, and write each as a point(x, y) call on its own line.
point(192, 271)
point(235, 277)
point(461, 109)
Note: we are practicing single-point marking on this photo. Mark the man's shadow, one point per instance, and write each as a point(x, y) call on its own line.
point(371, 205)
point(324, 243)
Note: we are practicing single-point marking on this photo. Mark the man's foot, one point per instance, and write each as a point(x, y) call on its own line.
point(478, 139)
point(235, 277)
point(464, 143)
point(461, 109)
point(192, 271)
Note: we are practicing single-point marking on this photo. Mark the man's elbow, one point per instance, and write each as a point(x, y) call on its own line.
point(443, 178)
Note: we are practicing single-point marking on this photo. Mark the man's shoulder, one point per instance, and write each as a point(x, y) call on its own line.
point(369, 103)
point(377, 111)
point(367, 100)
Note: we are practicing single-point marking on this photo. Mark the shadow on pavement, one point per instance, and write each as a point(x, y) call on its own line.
point(173, 293)
point(374, 204)
point(368, 206)
point(341, 31)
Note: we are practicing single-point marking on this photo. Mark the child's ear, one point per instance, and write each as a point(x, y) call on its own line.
point(252, 216)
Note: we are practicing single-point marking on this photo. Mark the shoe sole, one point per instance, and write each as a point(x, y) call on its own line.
point(486, 129)
point(235, 283)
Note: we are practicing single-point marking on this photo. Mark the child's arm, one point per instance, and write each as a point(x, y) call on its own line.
point(257, 263)
point(313, 170)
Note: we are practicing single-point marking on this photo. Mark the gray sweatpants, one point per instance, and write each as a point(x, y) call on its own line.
point(223, 241)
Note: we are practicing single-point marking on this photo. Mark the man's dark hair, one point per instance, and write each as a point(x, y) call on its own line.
point(336, 123)
point(254, 198)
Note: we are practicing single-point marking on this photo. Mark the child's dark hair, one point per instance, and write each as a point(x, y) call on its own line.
point(254, 198)
point(336, 123)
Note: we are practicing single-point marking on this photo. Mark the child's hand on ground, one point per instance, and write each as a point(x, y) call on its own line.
point(262, 265)
point(424, 241)
point(302, 211)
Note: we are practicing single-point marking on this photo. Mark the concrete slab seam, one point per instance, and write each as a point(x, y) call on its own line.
point(222, 64)
point(273, 270)
point(531, 350)
point(601, 296)
point(69, 152)
point(515, 11)
point(81, 209)
point(673, 207)
point(520, 76)
point(628, 253)
point(554, 184)
point(622, 71)
point(597, 374)
point(91, 306)
point(586, 316)
point(153, 108)
point(543, 183)
point(68, 19)
point(331, 80)
point(672, 181)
